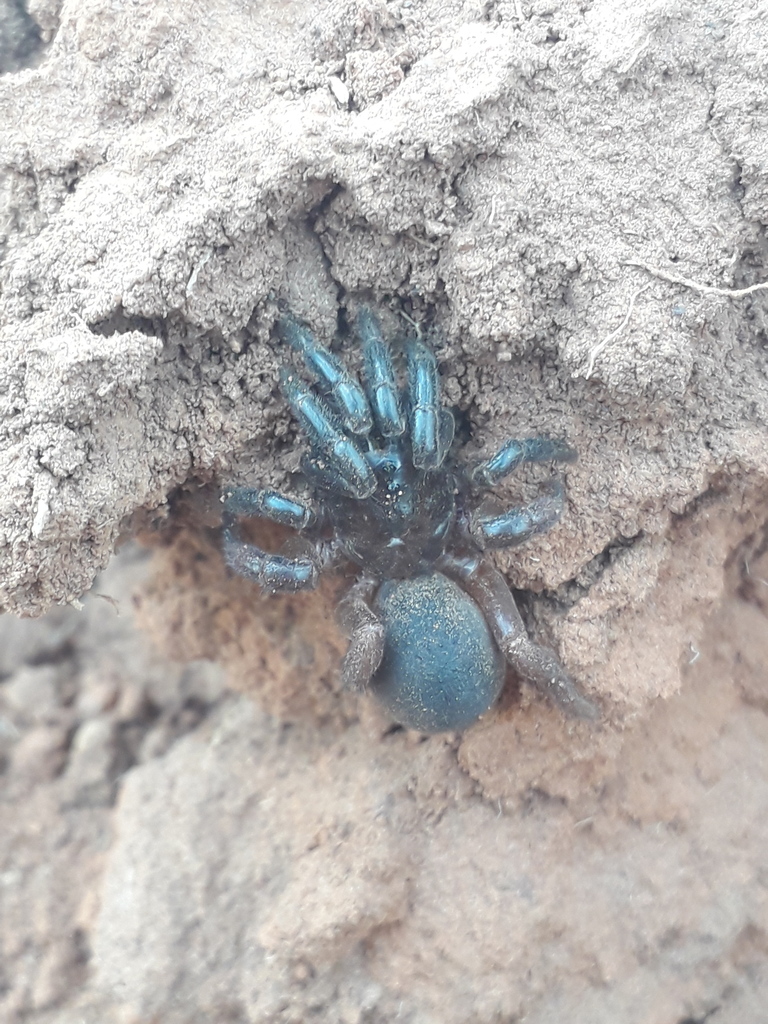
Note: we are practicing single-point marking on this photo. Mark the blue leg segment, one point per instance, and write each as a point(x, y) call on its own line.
point(272, 572)
point(328, 368)
point(515, 453)
point(424, 395)
point(518, 524)
point(320, 471)
point(380, 376)
point(327, 438)
point(252, 502)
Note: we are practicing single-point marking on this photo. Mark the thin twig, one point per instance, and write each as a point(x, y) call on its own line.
point(412, 322)
point(421, 241)
point(705, 289)
point(606, 341)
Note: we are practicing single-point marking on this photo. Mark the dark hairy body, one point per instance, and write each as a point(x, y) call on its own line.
point(432, 623)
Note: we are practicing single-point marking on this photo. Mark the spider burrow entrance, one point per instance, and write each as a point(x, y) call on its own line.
point(430, 621)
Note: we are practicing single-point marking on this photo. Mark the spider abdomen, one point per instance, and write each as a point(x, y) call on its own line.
point(441, 669)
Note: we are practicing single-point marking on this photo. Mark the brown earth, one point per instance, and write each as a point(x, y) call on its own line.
point(506, 172)
point(170, 852)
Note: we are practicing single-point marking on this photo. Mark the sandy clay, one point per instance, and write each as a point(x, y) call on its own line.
point(574, 196)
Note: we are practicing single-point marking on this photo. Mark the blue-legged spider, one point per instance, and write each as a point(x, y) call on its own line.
point(431, 622)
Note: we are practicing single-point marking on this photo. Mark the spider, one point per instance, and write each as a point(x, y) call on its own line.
point(431, 622)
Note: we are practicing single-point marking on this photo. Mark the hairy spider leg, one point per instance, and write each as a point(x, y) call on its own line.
point(424, 401)
point(327, 439)
point(366, 635)
point(270, 571)
point(488, 588)
point(318, 469)
point(514, 453)
point(329, 369)
point(518, 524)
point(380, 377)
point(253, 502)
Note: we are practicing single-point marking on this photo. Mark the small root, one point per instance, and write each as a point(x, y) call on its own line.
point(705, 289)
point(595, 352)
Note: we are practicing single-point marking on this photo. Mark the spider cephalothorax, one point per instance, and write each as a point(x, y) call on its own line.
point(431, 621)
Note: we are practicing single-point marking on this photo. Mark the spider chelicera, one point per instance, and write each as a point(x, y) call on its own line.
point(431, 621)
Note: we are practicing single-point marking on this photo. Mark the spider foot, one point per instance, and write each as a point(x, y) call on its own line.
point(517, 525)
point(540, 667)
point(514, 453)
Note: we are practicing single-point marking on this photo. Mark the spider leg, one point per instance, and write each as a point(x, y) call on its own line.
point(366, 636)
point(380, 376)
point(328, 368)
point(253, 502)
point(327, 437)
point(515, 453)
point(270, 571)
point(424, 395)
point(518, 524)
point(321, 471)
point(488, 588)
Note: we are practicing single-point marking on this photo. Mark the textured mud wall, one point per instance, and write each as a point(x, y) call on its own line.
point(169, 173)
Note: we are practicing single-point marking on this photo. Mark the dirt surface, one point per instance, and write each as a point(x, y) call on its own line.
point(573, 197)
point(169, 177)
point(172, 852)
